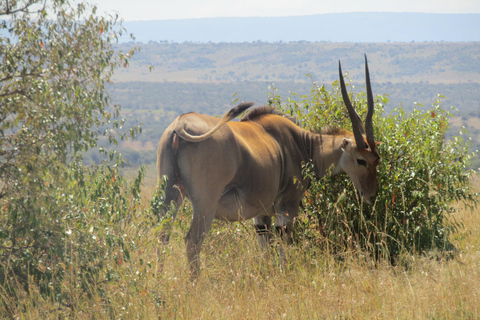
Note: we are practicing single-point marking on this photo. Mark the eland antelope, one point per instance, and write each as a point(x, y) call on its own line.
point(247, 169)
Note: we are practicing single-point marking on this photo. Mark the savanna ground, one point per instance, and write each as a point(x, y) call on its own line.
point(239, 282)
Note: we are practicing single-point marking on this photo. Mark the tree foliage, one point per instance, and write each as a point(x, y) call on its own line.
point(56, 60)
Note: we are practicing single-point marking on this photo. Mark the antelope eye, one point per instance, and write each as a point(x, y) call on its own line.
point(361, 162)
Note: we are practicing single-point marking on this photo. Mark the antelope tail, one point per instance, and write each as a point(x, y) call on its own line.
point(230, 115)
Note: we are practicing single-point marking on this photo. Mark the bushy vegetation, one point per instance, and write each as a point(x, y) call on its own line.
point(421, 174)
point(57, 217)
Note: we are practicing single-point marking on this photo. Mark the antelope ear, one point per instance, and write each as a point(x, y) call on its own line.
point(346, 144)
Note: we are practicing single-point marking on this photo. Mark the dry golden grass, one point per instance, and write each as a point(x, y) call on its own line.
point(240, 282)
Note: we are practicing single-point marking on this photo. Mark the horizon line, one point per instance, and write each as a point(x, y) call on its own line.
point(310, 15)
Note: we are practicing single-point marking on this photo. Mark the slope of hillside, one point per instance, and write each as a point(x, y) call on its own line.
point(427, 62)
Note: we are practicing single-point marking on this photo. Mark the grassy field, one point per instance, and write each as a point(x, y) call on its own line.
point(238, 281)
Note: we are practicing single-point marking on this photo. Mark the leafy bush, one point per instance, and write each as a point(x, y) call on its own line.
point(63, 227)
point(420, 175)
point(78, 220)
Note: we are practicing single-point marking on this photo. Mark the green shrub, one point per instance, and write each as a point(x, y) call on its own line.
point(420, 175)
point(64, 228)
point(77, 224)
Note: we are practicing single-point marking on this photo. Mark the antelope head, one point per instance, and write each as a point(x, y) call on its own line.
point(360, 158)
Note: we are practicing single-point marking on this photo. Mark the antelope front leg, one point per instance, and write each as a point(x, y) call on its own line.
point(284, 227)
point(263, 228)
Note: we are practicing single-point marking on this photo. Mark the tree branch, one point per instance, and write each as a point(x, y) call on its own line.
point(7, 10)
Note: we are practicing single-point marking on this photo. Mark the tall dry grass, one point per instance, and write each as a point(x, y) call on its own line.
point(238, 281)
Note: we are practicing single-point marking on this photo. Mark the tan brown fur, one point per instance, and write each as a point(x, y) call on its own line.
point(264, 110)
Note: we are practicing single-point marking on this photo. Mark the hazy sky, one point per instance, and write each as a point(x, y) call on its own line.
point(131, 10)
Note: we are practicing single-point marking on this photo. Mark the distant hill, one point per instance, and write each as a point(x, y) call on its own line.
point(428, 62)
point(338, 27)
